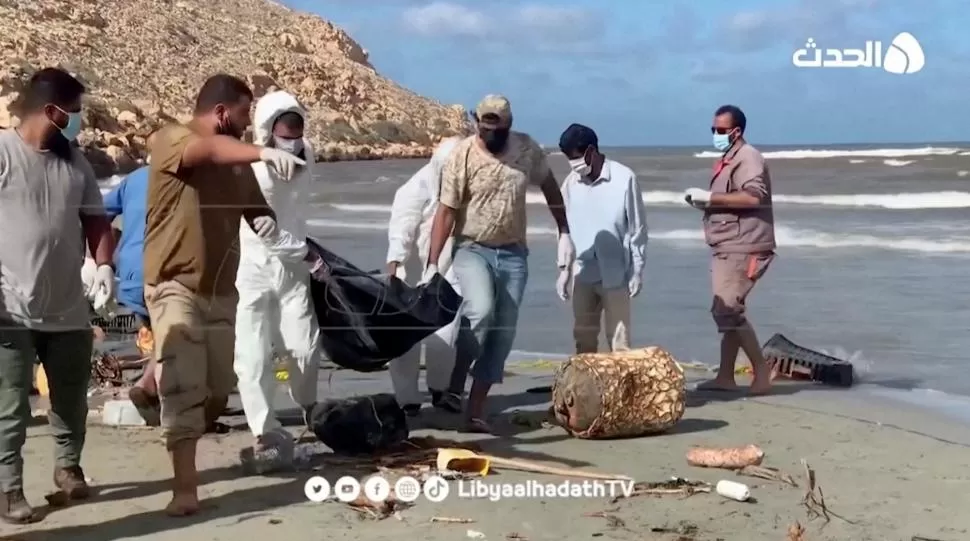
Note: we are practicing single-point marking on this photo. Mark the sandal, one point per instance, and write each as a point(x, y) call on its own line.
point(446, 401)
point(475, 425)
point(412, 410)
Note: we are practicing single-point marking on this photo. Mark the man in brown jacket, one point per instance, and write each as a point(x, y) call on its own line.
point(739, 226)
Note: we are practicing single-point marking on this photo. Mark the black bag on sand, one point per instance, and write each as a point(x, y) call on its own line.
point(367, 320)
point(359, 425)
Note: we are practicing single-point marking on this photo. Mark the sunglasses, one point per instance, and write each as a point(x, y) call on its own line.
point(721, 131)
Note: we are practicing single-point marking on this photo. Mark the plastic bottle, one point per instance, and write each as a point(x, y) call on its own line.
point(733, 490)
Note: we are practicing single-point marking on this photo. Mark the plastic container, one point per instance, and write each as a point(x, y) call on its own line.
point(121, 413)
point(733, 490)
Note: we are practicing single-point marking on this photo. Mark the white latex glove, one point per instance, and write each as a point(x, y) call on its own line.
point(563, 283)
point(265, 227)
point(636, 283)
point(103, 287)
point(428, 274)
point(697, 197)
point(284, 162)
point(566, 254)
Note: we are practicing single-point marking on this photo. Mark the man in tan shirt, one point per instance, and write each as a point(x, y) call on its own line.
point(483, 189)
point(200, 186)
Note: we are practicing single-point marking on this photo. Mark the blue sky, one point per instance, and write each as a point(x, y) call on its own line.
point(651, 72)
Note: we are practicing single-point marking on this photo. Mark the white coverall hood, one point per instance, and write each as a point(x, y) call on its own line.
point(275, 314)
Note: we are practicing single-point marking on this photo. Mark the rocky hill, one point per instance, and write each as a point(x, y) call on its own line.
point(144, 60)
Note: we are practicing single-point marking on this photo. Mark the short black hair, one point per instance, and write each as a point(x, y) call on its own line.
point(737, 115)
point(290, 119)
point(221, 88)
point(51, 86)
point(577, 138)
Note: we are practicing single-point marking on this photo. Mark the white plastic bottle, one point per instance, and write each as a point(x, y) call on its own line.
point(733, 490)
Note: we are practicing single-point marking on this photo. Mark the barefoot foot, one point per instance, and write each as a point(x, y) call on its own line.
point(182, 505)
point(760, 386)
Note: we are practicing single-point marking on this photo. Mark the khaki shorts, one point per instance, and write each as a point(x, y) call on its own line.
point(194, 341)
point(733, 276)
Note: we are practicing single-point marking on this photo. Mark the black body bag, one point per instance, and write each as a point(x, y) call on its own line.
point(360, 425)
point(368, 320)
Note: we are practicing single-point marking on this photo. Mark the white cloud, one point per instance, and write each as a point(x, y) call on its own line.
point(440, 19)
point(529, 22)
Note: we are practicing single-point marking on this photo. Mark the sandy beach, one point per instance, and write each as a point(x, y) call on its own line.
point(891, 473)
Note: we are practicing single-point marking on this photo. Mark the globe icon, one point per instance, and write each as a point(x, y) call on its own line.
point(407, 489)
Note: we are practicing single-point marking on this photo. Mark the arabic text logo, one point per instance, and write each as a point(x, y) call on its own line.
point(904, 55)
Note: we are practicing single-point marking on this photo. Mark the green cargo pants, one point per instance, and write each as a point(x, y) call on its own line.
point(66, 357)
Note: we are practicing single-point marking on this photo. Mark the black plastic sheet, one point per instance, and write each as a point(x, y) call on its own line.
point(367, 320)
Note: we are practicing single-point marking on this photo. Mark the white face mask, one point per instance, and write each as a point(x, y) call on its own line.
point(293, 146)
point(580, 167)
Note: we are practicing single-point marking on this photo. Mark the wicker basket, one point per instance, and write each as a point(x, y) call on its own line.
point(621, 394)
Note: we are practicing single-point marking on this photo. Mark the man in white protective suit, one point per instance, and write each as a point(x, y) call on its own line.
point(275, 314)
point(410, 226)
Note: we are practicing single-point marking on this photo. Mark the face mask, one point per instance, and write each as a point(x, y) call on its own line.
point(293, 146)
point(580, 167)
point(722, 141)
point(73, 127)
point(495, 140)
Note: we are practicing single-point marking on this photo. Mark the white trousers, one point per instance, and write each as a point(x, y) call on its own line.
point(439, 360)
point(275, 315)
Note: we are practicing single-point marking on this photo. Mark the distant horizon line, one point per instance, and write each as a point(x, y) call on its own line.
point(882, 145)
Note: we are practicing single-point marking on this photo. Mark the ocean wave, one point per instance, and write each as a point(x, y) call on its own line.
point(786, 237)
point(868, 153)
point(893, 201)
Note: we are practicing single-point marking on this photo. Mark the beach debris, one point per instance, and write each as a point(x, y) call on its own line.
point(796, 532)
point(275, 521)
point(814, 499)
point(676, 486)
point(452, 520)
point(516, 536)
point(370, 509)
point(730, 458)
point(920, 538)
point(532, 419)
point(452, 459)
point(473, 534)
point(612, 521)
point(770, 474)
point(57, 499)
point(686, 530)
point(733, 491)
point(619, 394)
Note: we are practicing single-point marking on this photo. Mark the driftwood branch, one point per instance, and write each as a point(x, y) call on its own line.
point(674, 487)
point(771, 474)
point(814, 499)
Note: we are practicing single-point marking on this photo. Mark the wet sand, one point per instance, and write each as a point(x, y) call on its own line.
point(894, 473)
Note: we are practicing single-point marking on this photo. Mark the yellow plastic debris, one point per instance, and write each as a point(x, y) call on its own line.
point(462, 460)
point(40, 378)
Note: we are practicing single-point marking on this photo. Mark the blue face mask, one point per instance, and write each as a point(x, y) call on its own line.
point(722, 141)
point(73, 127)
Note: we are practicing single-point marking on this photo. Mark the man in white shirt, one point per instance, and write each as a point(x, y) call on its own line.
point(604, 207)
point(412, 213)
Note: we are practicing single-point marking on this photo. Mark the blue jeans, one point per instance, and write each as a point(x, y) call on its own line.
point(492, 284)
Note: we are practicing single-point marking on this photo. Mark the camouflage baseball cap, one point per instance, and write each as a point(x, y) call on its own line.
point(494, 104)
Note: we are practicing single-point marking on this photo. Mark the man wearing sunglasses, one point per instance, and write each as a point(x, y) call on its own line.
point(739, 227)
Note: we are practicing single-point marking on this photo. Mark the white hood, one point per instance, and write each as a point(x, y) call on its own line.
point(268, 109)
